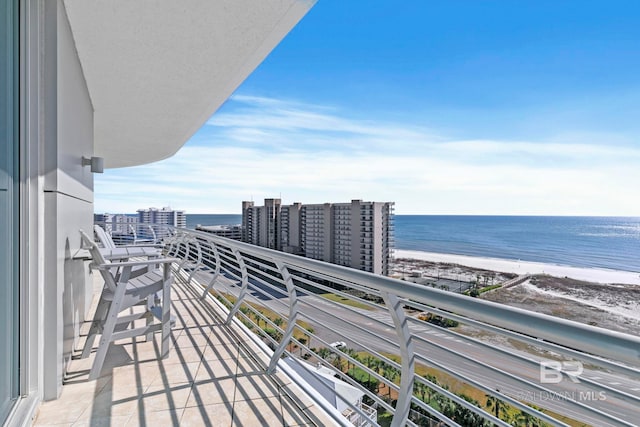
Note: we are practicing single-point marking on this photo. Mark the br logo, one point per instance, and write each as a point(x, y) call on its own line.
point(551, 371)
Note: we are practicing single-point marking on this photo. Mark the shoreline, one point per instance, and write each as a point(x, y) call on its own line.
point(597, 275)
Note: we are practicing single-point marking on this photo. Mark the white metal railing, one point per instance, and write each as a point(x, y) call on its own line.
point(300, 306)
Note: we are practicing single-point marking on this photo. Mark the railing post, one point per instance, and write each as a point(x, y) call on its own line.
point(153, 234)
point(170, 245)
point(243, 289)
point(291, 321)
point(187, 249)
point(216, 271)
point(407, 355)
point(198, 263)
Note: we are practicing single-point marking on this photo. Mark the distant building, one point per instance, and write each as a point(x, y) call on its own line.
point(248, 227)
point(261, 223)
point(164, 216)
point(115, 223)
point(317, 232)
point(233, 232)
point(289, 228)
point(356, 234)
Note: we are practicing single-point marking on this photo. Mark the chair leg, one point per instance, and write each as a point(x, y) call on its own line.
point(150, 317)
point(166, 312)
point(107, 333)
point(98, 322)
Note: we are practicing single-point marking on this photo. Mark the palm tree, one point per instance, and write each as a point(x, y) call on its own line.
point(310, 331)
point(447, 406)
point(391, 373)
point(278, 321)
point(337, 360)
point(368, 361)
point(497, 405)
point(259, 318)
point(432, 380)
point(419, 390)
point(324, 352)
point(525, 419)
point(382, 368)
point(377, 367)
point(351, 353)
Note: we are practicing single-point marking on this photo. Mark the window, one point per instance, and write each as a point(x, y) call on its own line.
point(8, 206)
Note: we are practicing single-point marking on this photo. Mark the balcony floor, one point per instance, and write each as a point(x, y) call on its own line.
point(214, 376)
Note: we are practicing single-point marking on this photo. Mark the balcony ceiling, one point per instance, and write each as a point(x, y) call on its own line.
point(158, 69)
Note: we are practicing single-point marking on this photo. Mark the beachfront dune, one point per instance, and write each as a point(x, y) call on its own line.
point(604, 298)
point(525, 267)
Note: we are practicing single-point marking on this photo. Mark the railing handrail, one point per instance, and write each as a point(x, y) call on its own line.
point(590, 339)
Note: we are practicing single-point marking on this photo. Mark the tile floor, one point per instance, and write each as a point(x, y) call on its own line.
point(214, 376)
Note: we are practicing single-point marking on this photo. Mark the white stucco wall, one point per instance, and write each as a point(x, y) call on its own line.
point(68, 196)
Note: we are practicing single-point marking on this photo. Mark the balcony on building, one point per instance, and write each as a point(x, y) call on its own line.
point(225, 346)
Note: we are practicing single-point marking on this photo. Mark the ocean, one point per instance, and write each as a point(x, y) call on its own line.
point(602, 242)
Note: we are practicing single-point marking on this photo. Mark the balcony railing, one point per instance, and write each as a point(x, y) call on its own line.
point(378, 335)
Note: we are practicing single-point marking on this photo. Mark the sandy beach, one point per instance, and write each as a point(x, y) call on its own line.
point(599, 297)
point(526, 267)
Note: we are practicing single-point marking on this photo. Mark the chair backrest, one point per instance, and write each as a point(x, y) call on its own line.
point(104, 238)
point(98, 259)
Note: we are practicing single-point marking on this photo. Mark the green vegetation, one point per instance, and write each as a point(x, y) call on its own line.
point(346, 301)
point(477, 290)
point(438, 320)
point(428, 394)
point(257, 315)
point(364, 378)
point(301, 333)
point(489, 288)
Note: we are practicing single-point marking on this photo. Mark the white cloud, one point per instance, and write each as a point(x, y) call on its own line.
point(262, 147)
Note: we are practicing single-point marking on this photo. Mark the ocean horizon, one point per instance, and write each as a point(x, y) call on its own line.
point(599, 242)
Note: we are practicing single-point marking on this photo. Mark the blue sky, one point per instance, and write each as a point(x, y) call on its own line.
point(445, 107)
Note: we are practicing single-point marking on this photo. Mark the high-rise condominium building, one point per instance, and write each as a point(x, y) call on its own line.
point(356, 234)
point(115, 223)
point(164, 216)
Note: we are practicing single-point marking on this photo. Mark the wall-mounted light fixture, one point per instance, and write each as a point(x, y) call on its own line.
point(96, 163)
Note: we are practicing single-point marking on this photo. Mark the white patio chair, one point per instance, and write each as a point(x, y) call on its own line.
point(122, 291)
point(109, 246)
point(110, 251)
